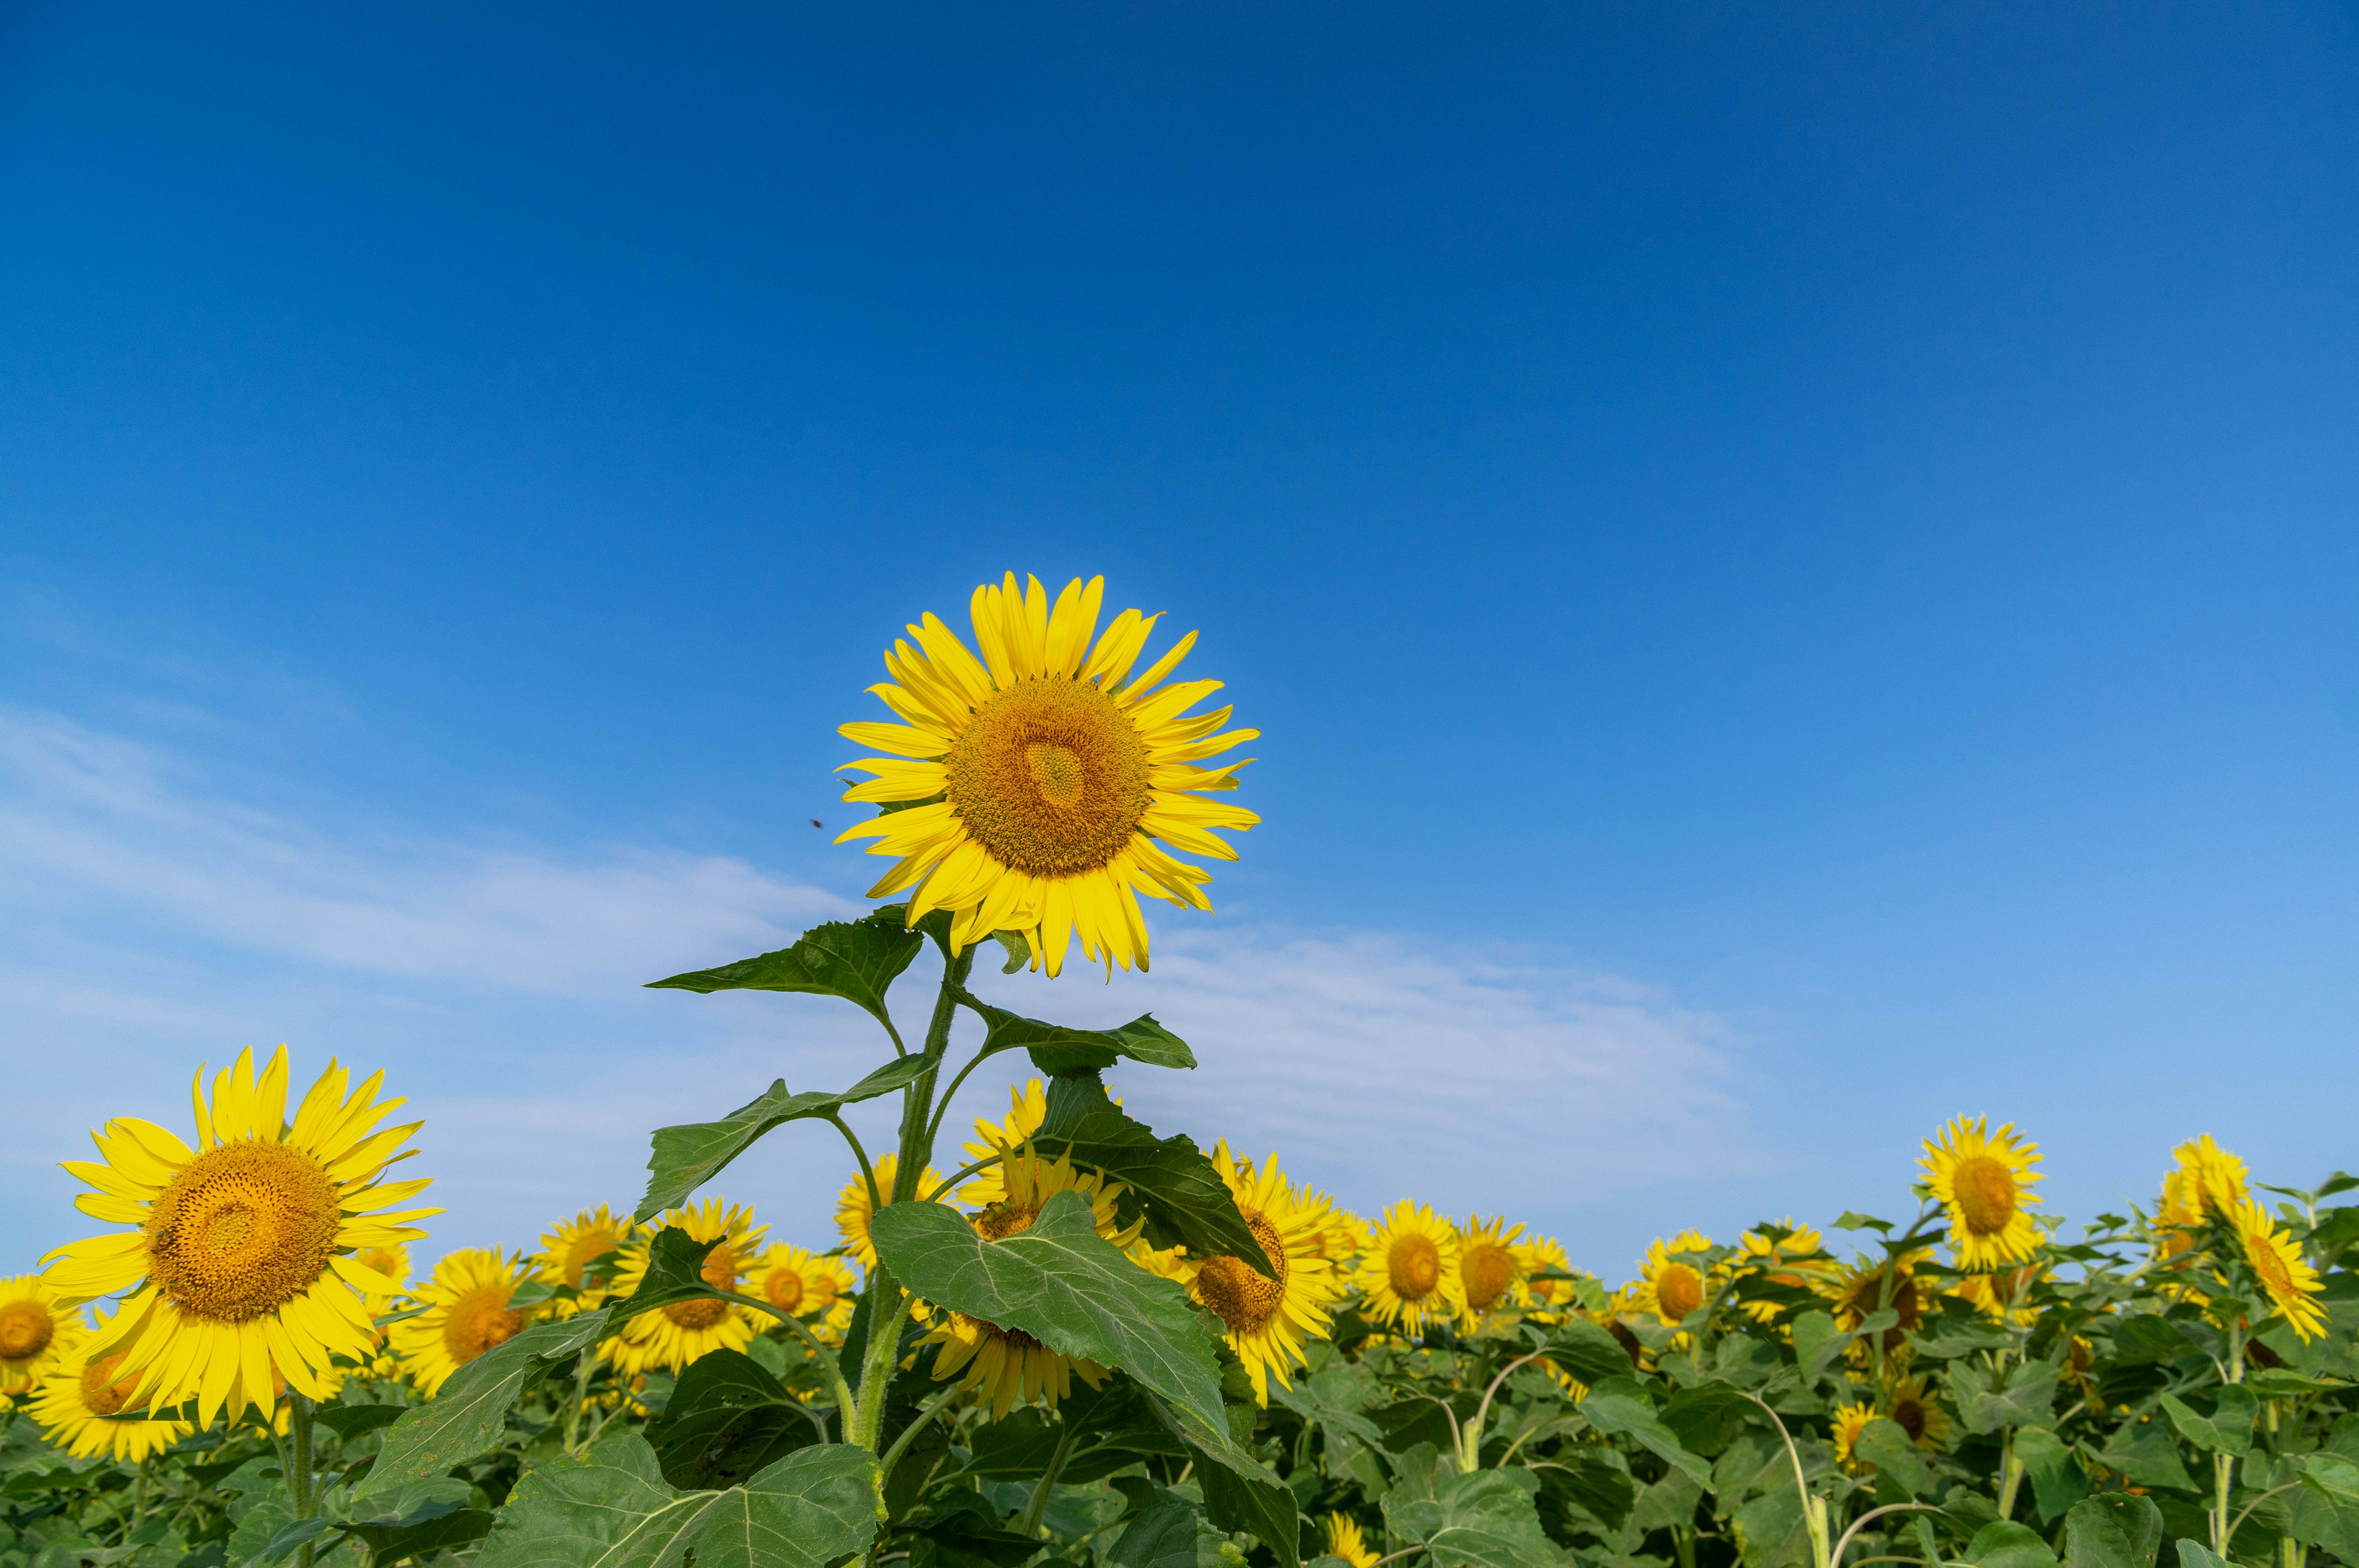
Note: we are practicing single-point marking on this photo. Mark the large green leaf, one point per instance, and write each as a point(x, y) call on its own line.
point(2023, 1399)
point(467, 1417)
point(675, 1274)
point(2112, 1529)
point(1183, 1197)
point(1482, 1520)
point(685, 1157)
point(2143, 1452)
point(611, 1508)
point(1885, 1445)
point(1240, 1494)
point(2227, 1430)
point(1586, 1353)
point(1771, 1531)
point(727, 1421)
point(2006, 1544)
point(1060, 1048)
point(2057, 1479)
point(1162, 1537)
point(1063, 1284)
point(855, 959)
point(1623, 1414)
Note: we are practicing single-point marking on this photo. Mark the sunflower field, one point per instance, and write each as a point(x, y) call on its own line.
point(1090, 1345)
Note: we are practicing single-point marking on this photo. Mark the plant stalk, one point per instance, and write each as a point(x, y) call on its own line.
point(299, 1467)
point(1033, 1510)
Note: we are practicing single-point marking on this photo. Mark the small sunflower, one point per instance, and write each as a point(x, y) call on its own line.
point(1492, 1265)
point(1345, 1235)
point(36, 1332)
point(1027, 1108)
point(1848, 1422)
point(1408, 1271)
point(1267, 1318)
point(806, 1285)
point(1672, 1282)
point(1984, 1180)
point(73, 1401)
point(1545, 1255)
point(1858, 1293)
point(240, 1251)
point(2209, 1181)
point(1797, 1259)
point(1007, 1365)
point(853, 1207)
point(467, 1312)
point(2277, 1261)
point(1046, 781)
point(2005, 1293)
point(1913, 1409)
point(570, 1245)
point(1342, 1539)
point(393, 1262)
point(669, 1337)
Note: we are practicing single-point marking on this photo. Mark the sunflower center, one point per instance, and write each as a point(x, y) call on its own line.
point(1050, 777)
point(102, 1392)
point(1413, 1265)
point(1245, 1298)
point(1909, 1417)
point(783, 1288)
point(587, 1248)
point(1678, 1291)
point(1986, 1190)
point(2269, 1267)
point(242, 1230)
point(26, 1330)
point(1002, 1220)
point(720, 1271)
point(1488, 1270)
point(479, 1320)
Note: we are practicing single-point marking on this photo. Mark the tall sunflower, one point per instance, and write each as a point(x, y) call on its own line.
point(466, 1313)
point(1672, 1282)
point(2207, 1180)
point(570, 1245)
point(2277, 1261)
point(240, 1247)
point(1491, 1265)
point(1048, 781)
point(1268, 1318)
point(1027, 1108)
point(1859, 1292)
point(1006, 1365)
point(1408, 1271)
point(669, 1337)
point(805, 1284)
point(853, 1210)
point(73, 1401)
point(1340, 1533)
point(1984, 1179)
point(36, 1332)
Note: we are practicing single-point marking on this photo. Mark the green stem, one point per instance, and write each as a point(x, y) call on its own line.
point(876, 1197)
point(299, 1466)
point(960, 1175)
point(1030, 1523)
point(934, 1407)
point(582, 1367)
point(2012, 1470)
point(827, 1357)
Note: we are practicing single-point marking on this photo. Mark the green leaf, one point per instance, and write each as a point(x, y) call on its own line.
point(855, 959)
point(1705, 1417)
point(684, 1158)
point(675, 1274)
point(1060, 1048)
point(2143, 1453)
point(2228, 1430)
point(1622, 1414)
point(1162, 1537)
point(1850, 1220)
point(2195, 1554)
point(467, 1417)
point(1240, 1494)
point(611, 1508)
point(2144, 1336)
point(1063, 1284)
point(1586, 1353)
point(348, 1421)
point(1883, 1444)
point(282, 1544)
point(1771, 1531)
point(727, 1419)
point(960, 1529)
point(1816, 1342)
point(2025, 1398)
point(2007, 1544)
point(1482, 1520)
point(2112, 1529)
point(445, 1532)
point(1181, 1194)
point(2057, 1483)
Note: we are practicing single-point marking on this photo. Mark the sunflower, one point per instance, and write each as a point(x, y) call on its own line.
point(240, 1247)
point(1267, 1317)
point(805, 1284)
point(1042, 776)
point(1984, 1180)
point(1344, 1236)
point(1914, 1411)
point(1797, 1258)
point(1342, 1539)
point(669, 1337)
point(2005, 1293)
point(466, 1313)
point(1672, 1282)
point(2275, 1260)
point(2209, 1180)
point(1545, 1255)
point(569, 1247)
point(853, 1208)
point(1858, 1293)
point(1007, 1365)
point(72, 1402)
point(1848, 1422)
point(1408, 1271)
point(393, 1262)
point(1027, 1108)
point(36, 1332)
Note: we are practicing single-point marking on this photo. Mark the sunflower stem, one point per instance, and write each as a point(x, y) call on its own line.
point(582, 1367)
point(1033, 1510)
point(299, 1466)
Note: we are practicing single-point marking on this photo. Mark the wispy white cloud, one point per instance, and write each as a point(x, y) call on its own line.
point(165, 920)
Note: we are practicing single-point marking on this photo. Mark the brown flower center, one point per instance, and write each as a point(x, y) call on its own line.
point(783, 1289)
point(1245, 1298)
point(26, 1330)
point(1909, 1415)
point(1986, 1192)
point(1004, 1219)
point(479, 1319)
point(1678, 1291)
point(242, 1230)
point(102, 1394)
point(1413, 1265)
point(720, 1271)
point(1050, 777)
point(1488, 1270)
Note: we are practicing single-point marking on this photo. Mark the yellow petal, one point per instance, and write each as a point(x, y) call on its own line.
point(270, 1098)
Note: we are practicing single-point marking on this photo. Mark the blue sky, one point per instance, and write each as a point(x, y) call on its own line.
point(1796, 566)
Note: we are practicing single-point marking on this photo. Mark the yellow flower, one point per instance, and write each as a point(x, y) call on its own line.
point(1913, 1409)
point(72, 1400)
point(1797, 1261)
point(36, 1332)
point(669, 1337)
point(1491, 1265)
point(2008, 1292)
point(1409, 1271)
point(2209, 1180)
point(1859, 1294)
point(1984, 1180)
point(1268, 1318)
point(1551, 1298)
point(1045, 775)
point(806, 1285)
point(467, 1312)
point(570, 1245)
point(1027, 1108)
point(1344, 1540)
point(1671, 1281)
point(393, 1262)
point(853, 1208)
point(1849, 1422)
point(1007, 1365)
point(2278, 1262)
point(240, 1247)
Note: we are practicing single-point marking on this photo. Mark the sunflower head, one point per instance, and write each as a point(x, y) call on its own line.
point(77, 1401)
point(1859, 1292)
point(1913, 1409)
point(805, 1284)
point(1847, 1423)
point(1027, 1108)
point(1044, 786)
point(2275, 1260)
point(1492, 1265)
point(1984, 1180)
point(2207, 1180)
point(36, 1332)
point(855, 1208)
point(569, 1248)
point(1408, 1271)
point(1672, 1282)
point(669, 1337)
point(1340, 1535)
point(1268, 1318)
point(466, 1312)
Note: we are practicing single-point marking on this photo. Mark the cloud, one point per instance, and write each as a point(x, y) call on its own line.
point(168, 921)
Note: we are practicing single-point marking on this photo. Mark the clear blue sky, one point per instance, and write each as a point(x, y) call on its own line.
point(1797, 564)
